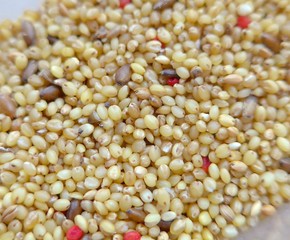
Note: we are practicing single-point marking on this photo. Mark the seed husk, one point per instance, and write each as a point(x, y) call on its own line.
point(28, 32)
point(100, 34)
point(249, 108)
point(136, 215)
point(227, 213)
point(50, 93)
point(74, 209)
point(163, 4)
point(8, 105)
point(123, 75)
point(271, 42)
point(114, 32)
point(46, 75)
point(5, 150)
point(29, 70)
point(9, 214)
point(285, 164)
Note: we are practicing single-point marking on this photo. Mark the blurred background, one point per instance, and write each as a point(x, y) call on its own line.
point(12, 9)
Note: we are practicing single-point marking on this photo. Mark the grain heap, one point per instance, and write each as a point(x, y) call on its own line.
point(162, 119)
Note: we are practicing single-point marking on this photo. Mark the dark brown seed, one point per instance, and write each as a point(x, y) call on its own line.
point(169, 73)
point(28, 32)
point(46, 75)
point(100, 34)
point(136, 215)
point(285, 164)
point(74, 209)
point(249, 108)
point(271, 42)
point(29, 70)
point(163, 4)
point(52, 40)
point(50, 93)
point(7, 105)
point(123, 75)
point(165, 225)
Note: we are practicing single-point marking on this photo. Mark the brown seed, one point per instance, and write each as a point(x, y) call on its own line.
point(52, 40)
point(163, 4)
point(271, 42)
point(74, 209)
point(169, 73)
point(7, 105)
point(28, 32)
point(123, 75)
point(100, 34)
point(29, 70)
point(9, 214)
point(136, 215)
point(50, 93)
point(285, 164)
point(46, 75)
point(164, 225)
point(249, 108)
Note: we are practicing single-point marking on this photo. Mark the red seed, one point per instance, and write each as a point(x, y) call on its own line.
point(74, 233)
point(206, 163)
point(133, 235)
point(172, 81)
point(243, 22)
point(123, 3)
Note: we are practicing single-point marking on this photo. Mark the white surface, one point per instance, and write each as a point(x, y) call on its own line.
point(12, 9)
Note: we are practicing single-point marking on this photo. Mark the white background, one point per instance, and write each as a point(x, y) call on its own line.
point(12, 9)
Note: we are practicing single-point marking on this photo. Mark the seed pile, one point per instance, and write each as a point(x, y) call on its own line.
point(137, 119)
